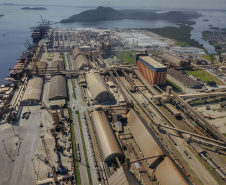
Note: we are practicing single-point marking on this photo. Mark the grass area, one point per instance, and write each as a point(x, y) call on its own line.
point(68, 92)
point(176, 88)
point(181, 34)
point(196, 102)
point(181, 43)
point(126, 57)
point(207, 57)
point(76, 163)
point(73, 86)
point(204, 75)
point(85, 152)
point(48, 57)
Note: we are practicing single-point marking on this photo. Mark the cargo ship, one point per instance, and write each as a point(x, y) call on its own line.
point(40, 31)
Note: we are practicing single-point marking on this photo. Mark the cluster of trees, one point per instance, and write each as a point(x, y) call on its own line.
point(182, 34)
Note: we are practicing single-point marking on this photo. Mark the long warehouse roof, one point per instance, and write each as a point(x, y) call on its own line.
point(81, 61)
point(152, 62)
point(123, 177)
point(57, 88)
point(98, 88)
point(55, 63)
point(108, 142)
point(33, 90)
point(165, 172)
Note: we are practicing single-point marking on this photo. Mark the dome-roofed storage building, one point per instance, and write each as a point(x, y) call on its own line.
point(33, 92)
point(81, 61)
point(56, 63)
point(58, 89)
point(107, 140)
point(76, 52)
point(99, 90)
point(41, 66)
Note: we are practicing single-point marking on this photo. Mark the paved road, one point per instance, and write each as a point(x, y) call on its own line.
point(194, 163)
point(20, 171)
point(81, 107)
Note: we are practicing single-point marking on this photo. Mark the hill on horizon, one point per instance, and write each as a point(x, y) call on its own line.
point(107, 13)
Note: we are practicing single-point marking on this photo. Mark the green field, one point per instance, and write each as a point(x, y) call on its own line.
point(204, 76)
point(48, 57)
point(126, 57)
point(175, 87)
point(182, 34)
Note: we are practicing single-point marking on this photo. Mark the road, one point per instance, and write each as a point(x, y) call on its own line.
point(81, 107)
point(194, 163)
point(20, 171)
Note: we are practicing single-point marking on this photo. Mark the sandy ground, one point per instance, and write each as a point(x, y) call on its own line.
point(217, 113)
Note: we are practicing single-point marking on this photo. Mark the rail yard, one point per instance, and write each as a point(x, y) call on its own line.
point(69, 116)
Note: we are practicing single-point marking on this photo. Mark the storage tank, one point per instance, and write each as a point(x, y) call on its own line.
point(107, 140)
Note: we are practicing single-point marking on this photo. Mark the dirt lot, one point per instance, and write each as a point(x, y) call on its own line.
point(217, 113)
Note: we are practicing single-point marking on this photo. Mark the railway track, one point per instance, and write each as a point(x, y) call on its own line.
point(186, 126)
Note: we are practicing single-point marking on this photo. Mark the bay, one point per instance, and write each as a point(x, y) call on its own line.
point(16, 23)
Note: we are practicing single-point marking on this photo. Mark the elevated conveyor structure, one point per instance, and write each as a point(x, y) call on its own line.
point(206, 124)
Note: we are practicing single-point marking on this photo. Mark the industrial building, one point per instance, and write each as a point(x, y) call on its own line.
point(165, 170)
point(177, 61)
point(76, 52)
point(33, 92)
point(58, 89)
point(99, 90)
point(108, 142)
point(57, 65)
point(184, 79)
point(123, 177)
point(153, 71)
point(81, 61)
point(41, 66)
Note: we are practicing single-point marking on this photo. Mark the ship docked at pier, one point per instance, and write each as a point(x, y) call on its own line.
point(40, 30)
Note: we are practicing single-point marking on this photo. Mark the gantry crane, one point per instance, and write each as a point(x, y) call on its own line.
point(128, 163)
point(55, 116)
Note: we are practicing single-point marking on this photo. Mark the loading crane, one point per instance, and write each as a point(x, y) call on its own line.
point(55, 116)
point(128, 163)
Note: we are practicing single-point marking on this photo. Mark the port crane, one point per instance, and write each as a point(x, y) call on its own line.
point(128, 163)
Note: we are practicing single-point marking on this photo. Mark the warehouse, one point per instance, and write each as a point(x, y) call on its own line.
point(41, 66)
point(76, 52)
point(123, 177)
point(184, 79)
point(108, 142)
point(175, 60)
point(81, 61)
point(58, 89)
point(58, 65)
point(33, 92)
point(165, 171)
point(153, 71)
point(99, 90)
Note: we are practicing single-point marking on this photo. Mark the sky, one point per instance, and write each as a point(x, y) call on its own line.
point(193, 4)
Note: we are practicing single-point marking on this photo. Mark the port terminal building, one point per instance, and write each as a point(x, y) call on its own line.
point(153, 71)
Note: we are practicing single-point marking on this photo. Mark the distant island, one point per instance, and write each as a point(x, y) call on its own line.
point(35, 8)
point(107, 13)
point(1, 15)
point(8, 4)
